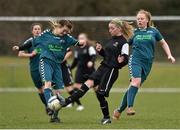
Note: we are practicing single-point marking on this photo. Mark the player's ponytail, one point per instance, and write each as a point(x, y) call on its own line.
point(126, 27)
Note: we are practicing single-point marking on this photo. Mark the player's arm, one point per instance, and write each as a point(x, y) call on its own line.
point(68, 54)
point(24, 54)
point(167, 50)
point(92, 53)
point(75, 61)
point(124, 56)
point(26, 45)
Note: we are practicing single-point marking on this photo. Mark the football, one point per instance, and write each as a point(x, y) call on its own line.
point(54, 103)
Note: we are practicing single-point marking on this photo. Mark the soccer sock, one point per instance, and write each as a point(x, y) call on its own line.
point(43, 100)
point(103, 105)
point(47, 94)
point(123, 104)
point(131, 95)
point(77, 101)
point(75, 96)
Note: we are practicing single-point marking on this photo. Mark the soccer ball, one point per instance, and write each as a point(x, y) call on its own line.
point(54, 103)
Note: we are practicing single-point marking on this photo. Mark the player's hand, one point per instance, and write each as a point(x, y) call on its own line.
point(98, 47)
point(89, 64)
point(172, 59)
point(120, 59)
point(15, 48)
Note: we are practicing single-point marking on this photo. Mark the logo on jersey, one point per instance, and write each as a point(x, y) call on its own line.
point(115, 44)
point(143, 37)
point(62, 41)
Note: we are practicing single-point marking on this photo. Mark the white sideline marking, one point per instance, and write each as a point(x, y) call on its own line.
point(114, 90)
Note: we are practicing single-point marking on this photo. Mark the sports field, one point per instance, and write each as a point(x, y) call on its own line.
point(156, 108)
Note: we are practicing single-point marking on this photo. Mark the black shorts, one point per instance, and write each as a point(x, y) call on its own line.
point(104, 77)
point(82, 74)
point(66, 74)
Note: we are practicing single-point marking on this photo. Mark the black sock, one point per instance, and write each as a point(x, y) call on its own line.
point(75, 96)
point(43, 100)
point(74, 91)
point(103, 105)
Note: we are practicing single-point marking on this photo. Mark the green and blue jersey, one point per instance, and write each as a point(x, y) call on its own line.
point(34, 61)
point(53, 47)
point(143, 43)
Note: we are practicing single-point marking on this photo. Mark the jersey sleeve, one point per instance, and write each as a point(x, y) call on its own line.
point(158, 35)
point(37, 44)
point(26, 45)
point(91, 51)
point(125, 49)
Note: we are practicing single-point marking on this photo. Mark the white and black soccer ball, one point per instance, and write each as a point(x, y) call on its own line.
point(54, 103)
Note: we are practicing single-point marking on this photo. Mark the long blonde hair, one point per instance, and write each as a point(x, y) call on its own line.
point(148, 16)
point(126, 27)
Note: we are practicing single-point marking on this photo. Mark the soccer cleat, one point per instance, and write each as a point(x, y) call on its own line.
point(49, 111)
point(54, 120)
point(80, 108)
point(116, 114)
point(105, 121)
point(130, 111)
point(69, 105)
point(62, 101)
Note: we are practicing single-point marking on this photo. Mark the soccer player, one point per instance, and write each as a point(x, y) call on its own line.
point(53, 45)
point(68, 80)
point(84, 59)
point(36, 29)
point(115, 56)
point(143, 45)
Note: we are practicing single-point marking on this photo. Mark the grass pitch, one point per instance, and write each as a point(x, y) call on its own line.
point(153, 111)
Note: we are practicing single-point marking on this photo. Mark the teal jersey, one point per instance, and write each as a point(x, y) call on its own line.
point(143, 43)
point(53, 47)
point(34, 61)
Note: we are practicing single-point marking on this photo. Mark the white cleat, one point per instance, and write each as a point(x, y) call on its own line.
point(80, 108)
point(69, 106)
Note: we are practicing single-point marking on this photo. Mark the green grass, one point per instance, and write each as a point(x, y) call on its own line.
point(15, 73)
point(153, 111)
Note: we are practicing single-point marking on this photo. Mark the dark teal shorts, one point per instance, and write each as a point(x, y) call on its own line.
point(35, 75)
point(139, 68)
point(51, 71)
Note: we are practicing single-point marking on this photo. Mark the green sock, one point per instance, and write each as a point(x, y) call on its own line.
point(131, 95)
point(123, 104)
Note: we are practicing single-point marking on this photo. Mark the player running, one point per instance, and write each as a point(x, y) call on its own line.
point(84, 59)
point(36, 29)
point(143, 45)
point(68, 80)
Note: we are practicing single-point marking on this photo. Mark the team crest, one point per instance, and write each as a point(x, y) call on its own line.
point(115, 44)
point(62, 41)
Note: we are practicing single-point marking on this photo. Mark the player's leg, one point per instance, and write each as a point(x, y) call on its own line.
point(46, 71)
point(135, 70)
point(39, 85)
point(107, 81)
point(68, 82)
point(80, 93)
point(91, 82)
point(59, 85)
point(79, 80)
